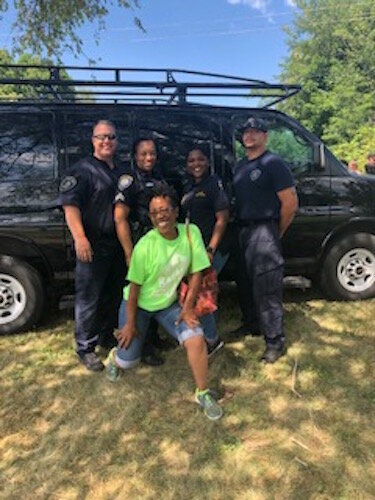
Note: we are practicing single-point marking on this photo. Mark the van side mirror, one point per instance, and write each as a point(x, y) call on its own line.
point(319, 156)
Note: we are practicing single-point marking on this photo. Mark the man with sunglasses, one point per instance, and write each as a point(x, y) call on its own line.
point(87, 194)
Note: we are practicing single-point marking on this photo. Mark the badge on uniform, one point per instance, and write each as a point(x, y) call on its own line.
point(255, 174)
point(68, 183)
point(124, 182)
point(200, 194)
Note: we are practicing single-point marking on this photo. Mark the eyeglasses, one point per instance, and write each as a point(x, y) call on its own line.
point(162, 211)
point(103, 137)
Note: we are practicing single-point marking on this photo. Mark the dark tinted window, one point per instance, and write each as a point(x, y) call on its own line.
point(78, 131)
point(175, 135)
point(27, 147)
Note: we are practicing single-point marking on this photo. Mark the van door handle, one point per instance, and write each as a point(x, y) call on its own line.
point(317, 210)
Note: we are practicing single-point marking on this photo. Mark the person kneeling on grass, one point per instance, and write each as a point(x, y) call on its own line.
point(159, 262)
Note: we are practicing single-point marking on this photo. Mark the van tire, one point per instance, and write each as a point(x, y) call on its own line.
point(348, 271)
point(21, 295)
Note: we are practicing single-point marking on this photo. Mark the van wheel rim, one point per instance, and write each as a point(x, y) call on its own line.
point(12, 299)
point(356, 270)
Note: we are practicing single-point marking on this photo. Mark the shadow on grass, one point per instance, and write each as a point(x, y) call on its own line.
point(72, 434)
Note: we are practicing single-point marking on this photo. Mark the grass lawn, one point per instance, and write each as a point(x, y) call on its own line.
point(302, 428)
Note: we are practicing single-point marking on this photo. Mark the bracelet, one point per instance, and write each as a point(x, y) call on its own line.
point(210, 250)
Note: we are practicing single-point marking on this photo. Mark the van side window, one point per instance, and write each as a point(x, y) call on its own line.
point(27, 147)
point(78, 131)
point(175, 135)
point(294, 149)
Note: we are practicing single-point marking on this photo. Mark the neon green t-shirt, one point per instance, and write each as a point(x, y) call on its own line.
point(158, 265)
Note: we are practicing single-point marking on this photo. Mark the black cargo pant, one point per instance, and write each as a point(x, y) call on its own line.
point(261, 279)
point(98, 293)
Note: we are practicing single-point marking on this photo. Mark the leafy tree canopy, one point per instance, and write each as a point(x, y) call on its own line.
point(13, 91)
point(331, 54)
point(50, 27)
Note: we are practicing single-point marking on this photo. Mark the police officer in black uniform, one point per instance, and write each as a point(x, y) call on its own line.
point(132, 220)
point(205, 201)
point(206, 204)
point(266, 202)
point(87, 195)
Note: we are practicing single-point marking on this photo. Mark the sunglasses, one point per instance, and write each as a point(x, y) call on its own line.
point(161, 211)
point(103, 137)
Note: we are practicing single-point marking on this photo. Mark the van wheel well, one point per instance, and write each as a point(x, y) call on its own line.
point(348, 267)
point(21, 295)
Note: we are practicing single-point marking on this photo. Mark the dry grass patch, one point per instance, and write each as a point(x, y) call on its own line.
point(303, 428)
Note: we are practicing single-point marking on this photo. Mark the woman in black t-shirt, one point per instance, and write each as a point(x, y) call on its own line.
point(206, 204)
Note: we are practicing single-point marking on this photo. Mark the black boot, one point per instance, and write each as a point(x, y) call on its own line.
point(273, 353)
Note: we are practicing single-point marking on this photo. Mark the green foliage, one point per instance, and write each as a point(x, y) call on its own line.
point(362, 142)
point(50, 27)
point(284, 143)
point(13, 91)
point(332, 55)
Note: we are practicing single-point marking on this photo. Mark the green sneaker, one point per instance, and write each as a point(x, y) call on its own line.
point(211, 408)
point(113, 372)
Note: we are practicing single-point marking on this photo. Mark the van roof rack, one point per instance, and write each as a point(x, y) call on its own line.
point(129, 85)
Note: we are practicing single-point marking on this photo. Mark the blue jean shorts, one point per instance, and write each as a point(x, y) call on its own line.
point(127, 358)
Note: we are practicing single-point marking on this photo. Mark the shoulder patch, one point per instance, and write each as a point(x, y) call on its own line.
point(124, 182)
point(119, 198)
point(68, 183)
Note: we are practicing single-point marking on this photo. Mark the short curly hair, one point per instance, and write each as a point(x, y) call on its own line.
point(139, 140)
point(163, 190)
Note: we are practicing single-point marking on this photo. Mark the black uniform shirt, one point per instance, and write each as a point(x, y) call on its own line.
point(91, 186)
point(256, 184)
point(134, 191)
point(202, 201)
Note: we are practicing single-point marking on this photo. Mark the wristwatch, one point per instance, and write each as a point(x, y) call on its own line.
point(210, 250)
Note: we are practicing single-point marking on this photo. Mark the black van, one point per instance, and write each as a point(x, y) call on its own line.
point(332, 239)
